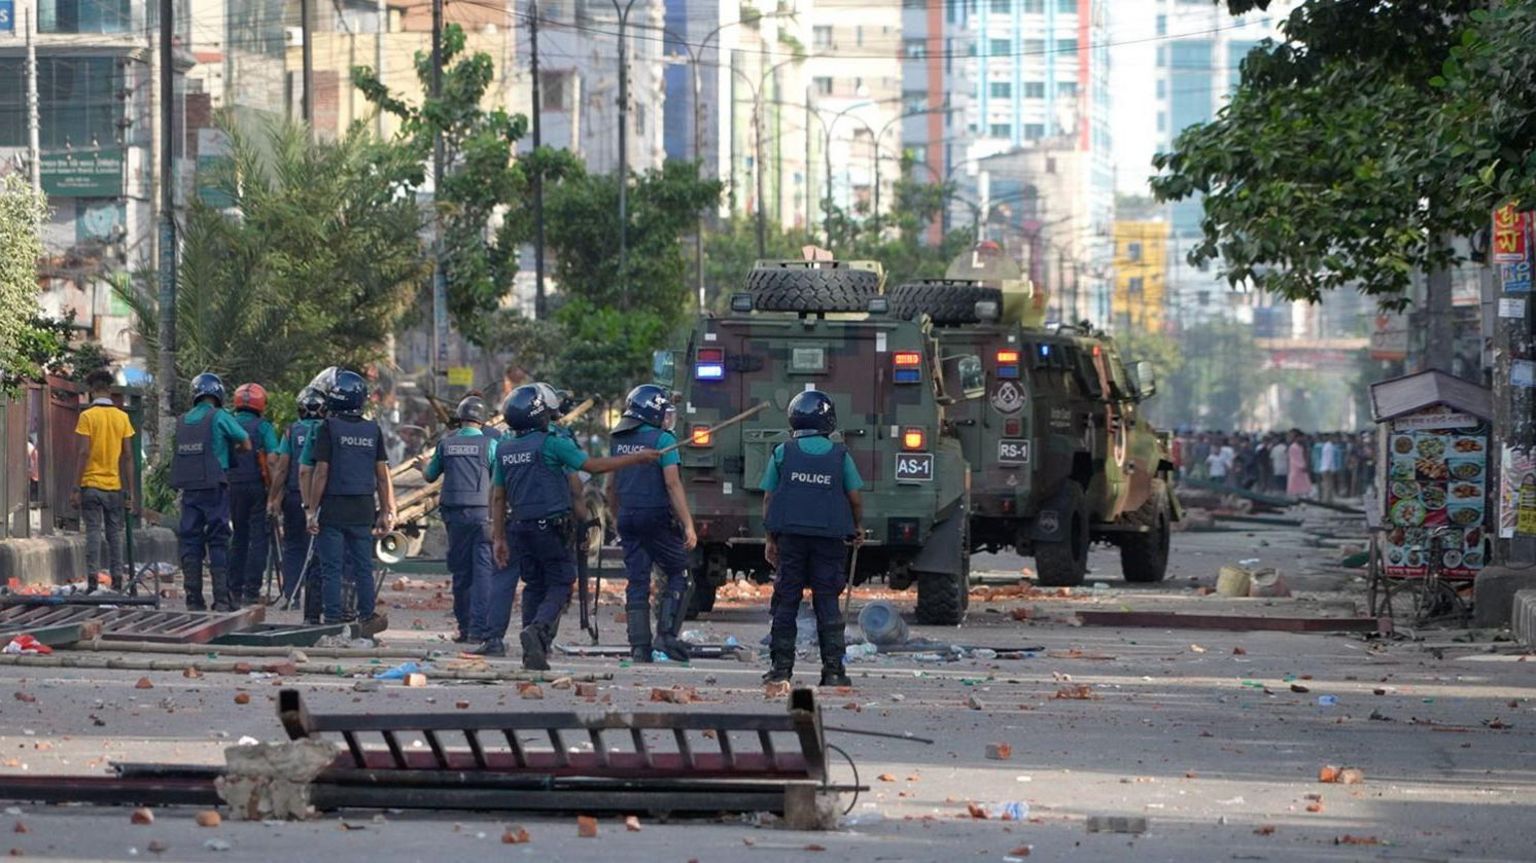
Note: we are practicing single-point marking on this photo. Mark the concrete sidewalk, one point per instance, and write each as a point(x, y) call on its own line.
point(60, 559)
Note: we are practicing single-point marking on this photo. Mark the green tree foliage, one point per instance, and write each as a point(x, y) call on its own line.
point(312, 264)
point(897, 238)
point(1327, 168)
point(21, 219)
point(1489, 123)
point(483, 202)
point(611, 318)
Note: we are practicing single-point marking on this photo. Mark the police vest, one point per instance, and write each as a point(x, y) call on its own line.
point(466, 471)
point(809, 499)
point(244, 466)
point(195, 465)
point(298, 436)
point(534, 489)
point(354, 453)
point(642, 486)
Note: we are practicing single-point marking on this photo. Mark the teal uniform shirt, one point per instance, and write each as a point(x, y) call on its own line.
point(226, 430)
point(282, 445)
point(815, 445)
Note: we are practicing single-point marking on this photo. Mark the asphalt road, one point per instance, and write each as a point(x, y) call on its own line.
point(1199, 733)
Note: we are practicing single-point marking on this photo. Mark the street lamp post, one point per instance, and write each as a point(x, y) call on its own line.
point(623, 13)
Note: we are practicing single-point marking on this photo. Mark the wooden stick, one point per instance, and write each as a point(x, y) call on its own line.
point(744, 415)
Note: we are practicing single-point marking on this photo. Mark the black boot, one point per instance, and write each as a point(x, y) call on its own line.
point(222, 601)
point(536, 639)
point(833, 646)
point(192, 583)
point(637, 618)
point(781, 652)
point(668, 624)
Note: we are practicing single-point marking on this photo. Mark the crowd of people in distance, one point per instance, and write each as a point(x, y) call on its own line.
point(1320, 465)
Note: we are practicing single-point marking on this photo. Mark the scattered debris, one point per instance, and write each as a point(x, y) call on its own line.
point(209, 818)
point(242, 698)
point(1348, 839)
point(142, 815)
point(632, 823)
point(415, 680)
point(1075, 692)
point(999, 751)
point(515, 834)
point(1264, 830)
point(144, 683)
point(1116, 824)
point(586, 827)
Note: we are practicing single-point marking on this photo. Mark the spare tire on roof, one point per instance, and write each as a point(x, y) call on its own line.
point(943, 300)
point(812, 289)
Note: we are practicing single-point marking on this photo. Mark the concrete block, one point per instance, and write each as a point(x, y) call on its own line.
point(1523, 618)
point(1494, 594)
point(60, 559)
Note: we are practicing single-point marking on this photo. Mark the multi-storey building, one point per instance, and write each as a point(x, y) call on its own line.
point(855, 96)
point(1141, 272)
point(1016, 76)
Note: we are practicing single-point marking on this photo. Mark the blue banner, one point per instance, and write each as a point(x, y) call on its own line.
point(8, 15)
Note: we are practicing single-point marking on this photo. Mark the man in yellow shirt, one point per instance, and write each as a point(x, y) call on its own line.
point(105, 481)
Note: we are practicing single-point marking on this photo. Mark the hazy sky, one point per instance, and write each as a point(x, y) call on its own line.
point(1133, 91)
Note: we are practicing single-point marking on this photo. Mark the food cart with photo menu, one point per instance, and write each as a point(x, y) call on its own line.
point(1433, 476)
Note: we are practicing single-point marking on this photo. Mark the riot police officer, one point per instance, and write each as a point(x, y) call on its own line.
point(811, 509)
point(349, 490)
point(464, 459)
point(249, 477)
point(285, 503)
point(205, 438)
point(531, 510)
point(655, 526)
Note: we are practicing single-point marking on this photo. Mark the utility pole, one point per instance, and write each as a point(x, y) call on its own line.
point(757, 167)
point(381, 12)
point(698, 170)
point(623, 13)
point(538, 178)
point(167, 263)
point(307, 53)
point(1514, 399)
point(439, 277)
point(34, 149)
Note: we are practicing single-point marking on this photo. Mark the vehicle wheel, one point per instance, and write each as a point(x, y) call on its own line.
point(1064, 563)
point(777, 289)
point(1144, 556)
point(942, 600)
point(945, 302)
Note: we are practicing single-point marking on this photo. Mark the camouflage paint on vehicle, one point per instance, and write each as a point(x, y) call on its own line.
point(769, 357)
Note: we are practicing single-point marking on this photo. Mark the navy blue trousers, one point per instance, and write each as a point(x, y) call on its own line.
point(248, 541)
point(204, 529)
point(546, 563)
point(651, 537)
point(469, 561)
point(816, 562)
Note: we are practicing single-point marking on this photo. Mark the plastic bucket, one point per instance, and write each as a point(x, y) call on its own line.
point(881, 624)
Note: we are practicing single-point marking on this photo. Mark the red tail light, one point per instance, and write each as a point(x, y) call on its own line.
point(701, 436)
point(907, 367)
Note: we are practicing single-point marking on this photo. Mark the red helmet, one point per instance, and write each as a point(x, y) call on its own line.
point(251, 397)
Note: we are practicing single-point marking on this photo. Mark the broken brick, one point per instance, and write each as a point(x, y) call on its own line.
point(999, 751)
point(586, 690)
point(632, 823)
point(142, 815)
point(209, 818)
point(531, 692)
point(144, 683)
point(242, 698)
point(586, 826)
point(515, 834)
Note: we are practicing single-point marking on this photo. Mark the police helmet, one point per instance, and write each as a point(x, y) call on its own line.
point(347, 394)
point(551, 397)
point(647, 403)
point(526, 410)
point(208, 386)
point(311, 403)
point(470, 409)
point(323, 382)
point(251, 397)
point(811, 413)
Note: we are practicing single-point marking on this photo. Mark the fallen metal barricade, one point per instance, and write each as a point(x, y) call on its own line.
point(132, 624)
point(677, 763)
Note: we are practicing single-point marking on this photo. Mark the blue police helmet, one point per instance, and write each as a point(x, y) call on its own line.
point(812, 412)
point(208, 386)
point(647, 403)
point(551, 397)
point(471, 409)
point(525, 409)
point(311, 403)
point(347, 394)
